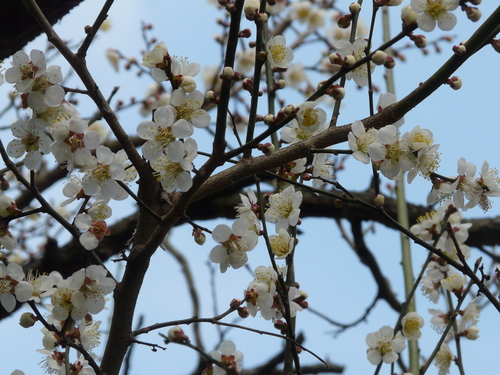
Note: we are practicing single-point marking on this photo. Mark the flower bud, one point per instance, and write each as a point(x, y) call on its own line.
point(212, 97)
point(379, 200)
point(251, 9)
point(8, 206)
point(27, 320)
point(176, 334)
point(390, 62)
point(230, 7)
point(262, 17)
point(199, 236)
point(419, 40)
point(495, 43)
point(4, 183)
point(336, 59)
point(354, 8)
point(269, 119)
point(227, 73)
point(245, 33)
point(337, 92)
point(338, 203)
point(243, 312)
point(266, 148)
point(459, 50)
point(349, 61)
point(472, 333)
point(379, 57)
point(409, 16)
point(281, 84)
point(455, 83)
point(344, 21)
point(289, 109)
point(247, 85)
point(473, 14)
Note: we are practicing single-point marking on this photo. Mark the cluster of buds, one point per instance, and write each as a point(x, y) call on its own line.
point(337, 92)
point(345, 21)
point(252, 12)
point(283, 113)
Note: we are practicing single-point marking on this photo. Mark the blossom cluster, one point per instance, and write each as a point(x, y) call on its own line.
point(73, 300)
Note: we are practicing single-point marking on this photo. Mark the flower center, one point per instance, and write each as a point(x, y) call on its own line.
point(278, 52)
point(434, 9)
point(310, 117)
point(101, 172)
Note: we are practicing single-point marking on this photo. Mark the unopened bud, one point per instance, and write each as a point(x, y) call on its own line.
point(268, 119)
point(188, 84)
point(354, 8)
point(199, 236)
point(262, 17)
point(289, 109)
point(409, 16)
point(473, 14)
point(344, 21)
point(235, 303)
point(349, 61)
point(336, 59)
point(495, 43)
point(419, 40)
point(4, 183)
point(27, 320)
point(281, 84)
point(459, 50)
point(227, 73)
point(245, 33)
point(243, 312)
point(176, 334)
point(379, 57)
point(390, 62)
point(379, 200)
point(455, 83)
point(262, 56)
point(338, 203)
point(212, 97)
point(337, 92)
point(88, 29)
point(230, 7)
point(247, 85)
point(251, 9)
point(266, 148)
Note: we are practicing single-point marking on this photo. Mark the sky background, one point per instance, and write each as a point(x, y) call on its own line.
point(463, 122)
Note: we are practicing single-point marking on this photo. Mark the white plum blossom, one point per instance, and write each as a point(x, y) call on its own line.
point(486, 186)
point(454, 283)
point(284, 208)
point(188, 107)
point(249, 210)
point(95, 230)
point(360, 140)
point(90, 286)
point(72, 190)
point(394, 153)
point(294, 133)
point(282, 243)
point(229, 356)
point(30, 139)
point(45, 91)
point(356, 49)
point(11, 283)
point(101, 173)
point(25, 69)
point(162, 133)
point(432, 11)
point(42, 285)
point(157, 60)
point(321, 168)
point(411, 324)
point(184, 71)
point(175, 174)
point(7, 240)
point(278, 54)
point(386, 100)
point(309, 118)
point(295, 75)
point(443, 360)
point(384, 346)
point(235, 243)
point(73, 142)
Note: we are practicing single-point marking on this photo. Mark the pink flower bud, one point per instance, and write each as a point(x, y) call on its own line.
point(455, 83)
point(336, 59)
point(176, 334)
point(344, 21)
point(243, 312)
point(199, 236)
point(390, 62)
point(459, 50)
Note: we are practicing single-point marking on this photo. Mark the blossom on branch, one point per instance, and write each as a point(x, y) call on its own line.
point(435, 11)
